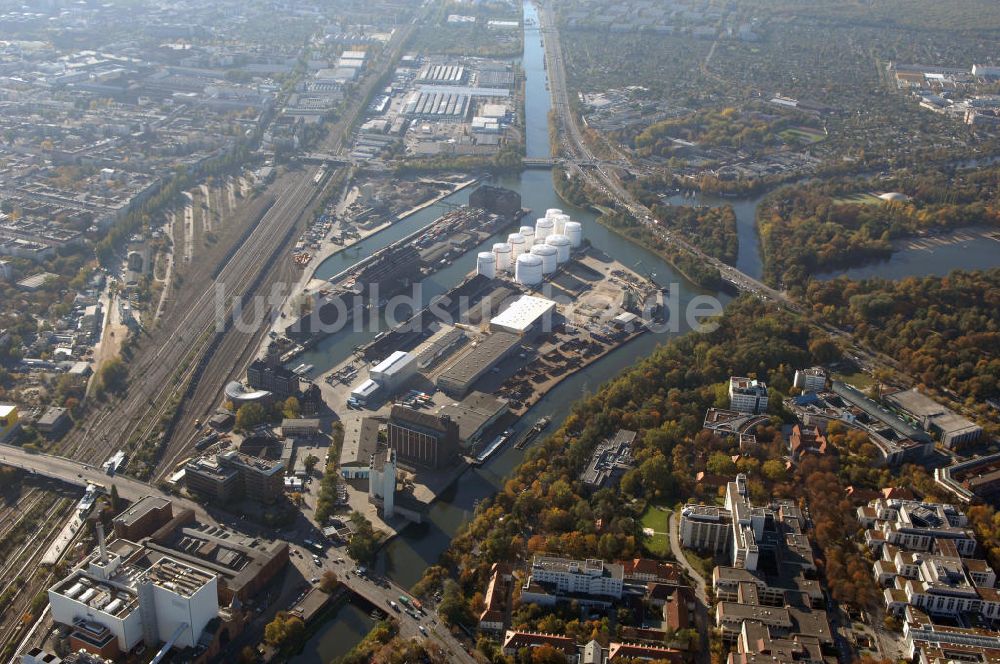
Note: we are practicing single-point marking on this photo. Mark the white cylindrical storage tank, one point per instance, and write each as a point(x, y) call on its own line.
point(528, 270)
point(517, 244)
point(529, 236)
point(552, 212)
point(503, 252)
point(544, 227)
point(574, 231)
point(486, 264)
point(561, 243)
point(549, 256)
point(560, 220)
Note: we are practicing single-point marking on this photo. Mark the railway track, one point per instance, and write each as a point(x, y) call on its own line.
point(22, 584)
point(11, 517)
point(161, 373)
point(171, 361)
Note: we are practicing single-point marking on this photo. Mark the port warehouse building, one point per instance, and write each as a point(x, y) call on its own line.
point(422, 439)
point(526, 316)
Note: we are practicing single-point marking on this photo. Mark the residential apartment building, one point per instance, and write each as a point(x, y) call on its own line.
point(747, 395)
point(231, 473)
point(591, 580)
point(273, 377)
point(810, 380)
point(924, 560)
point(915, 526)
point(706, 528)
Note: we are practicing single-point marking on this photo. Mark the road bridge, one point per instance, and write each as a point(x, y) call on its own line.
point(81, 474)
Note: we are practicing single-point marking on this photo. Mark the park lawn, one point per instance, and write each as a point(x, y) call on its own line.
point(861, 198)
point(860, 379)
point(659, 521)
point(801, 135)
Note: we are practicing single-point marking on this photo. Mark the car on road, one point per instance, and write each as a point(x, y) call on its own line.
point(423, 630)
point(395, 607)
point(314, 580)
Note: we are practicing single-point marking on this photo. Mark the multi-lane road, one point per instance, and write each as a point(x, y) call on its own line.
point(81, 474)
point(597, 173)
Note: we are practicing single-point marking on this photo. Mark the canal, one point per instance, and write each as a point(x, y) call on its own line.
point(344, 630)
point(417, 547)
point(406, 556)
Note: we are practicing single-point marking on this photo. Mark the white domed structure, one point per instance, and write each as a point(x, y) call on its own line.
point(562, 245)
point(552, 212)
point(894, 196)
point(544, 227)
point(528, 270)
point(486, 264)
point(574, 231)
point(518, 244)
point(549, 256)
point(503, 253)
point(529, 236)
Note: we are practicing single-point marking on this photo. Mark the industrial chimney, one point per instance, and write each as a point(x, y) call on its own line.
point(102, 545)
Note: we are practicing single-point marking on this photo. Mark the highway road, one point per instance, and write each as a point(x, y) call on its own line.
point(597, 173)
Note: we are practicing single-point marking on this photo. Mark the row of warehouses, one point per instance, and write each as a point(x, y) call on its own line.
point(436, 104)
point(520, 320)
point(443, 74)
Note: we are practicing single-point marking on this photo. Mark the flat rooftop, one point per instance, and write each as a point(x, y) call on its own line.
point(178, 577)
point(916, 403)
point(486, 351)
point(474, 411)
point(393, 363)
point(523, 312)
point(141, 508)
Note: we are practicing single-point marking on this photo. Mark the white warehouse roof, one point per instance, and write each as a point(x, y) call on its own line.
point(394, 363)
point(365, 389)
point(522, 313)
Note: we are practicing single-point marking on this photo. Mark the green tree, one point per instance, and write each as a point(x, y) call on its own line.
point(113, 376)
point(249, 415)
point(310, 463)
point(720, 464)
point(365, 540)
point(329, 582)
point(453, 608)
point(291, 408)
point(284, 630)
point(656, 476)
point(774, 470)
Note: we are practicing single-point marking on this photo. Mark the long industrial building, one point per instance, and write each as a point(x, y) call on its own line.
point(436, 105)
point(462, 373)
point(444, 74)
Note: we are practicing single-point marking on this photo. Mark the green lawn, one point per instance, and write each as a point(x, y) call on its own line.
point(861, 198)
point(802, 135)
point(860, 380)
point(657, 520)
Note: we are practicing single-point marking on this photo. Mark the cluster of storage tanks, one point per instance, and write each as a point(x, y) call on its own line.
point(533, 251)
